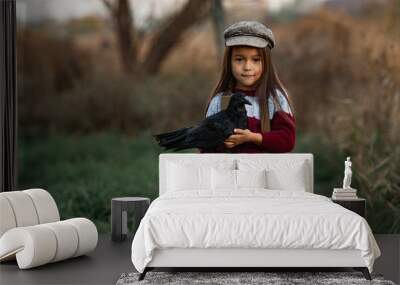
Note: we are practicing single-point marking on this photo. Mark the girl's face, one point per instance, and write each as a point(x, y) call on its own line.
point(246, 66)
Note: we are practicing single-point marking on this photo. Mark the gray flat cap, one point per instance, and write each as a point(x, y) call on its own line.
point(249, 33)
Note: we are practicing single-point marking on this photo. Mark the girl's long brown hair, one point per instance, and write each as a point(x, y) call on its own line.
point(266, 86)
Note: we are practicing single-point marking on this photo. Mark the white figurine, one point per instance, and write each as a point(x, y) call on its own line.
point(347, 174)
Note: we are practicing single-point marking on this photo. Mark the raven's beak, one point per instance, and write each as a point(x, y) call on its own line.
point(246, 102)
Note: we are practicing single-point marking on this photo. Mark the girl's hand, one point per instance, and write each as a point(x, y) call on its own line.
point(240, 136)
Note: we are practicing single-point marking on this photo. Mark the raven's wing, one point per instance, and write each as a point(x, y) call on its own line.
point(221, 115)
point(211, 132)
point(223, 126)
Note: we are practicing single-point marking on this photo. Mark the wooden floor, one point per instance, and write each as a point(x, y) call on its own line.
point(111, 259)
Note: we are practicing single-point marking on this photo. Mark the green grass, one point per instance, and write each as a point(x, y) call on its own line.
point(83, 173)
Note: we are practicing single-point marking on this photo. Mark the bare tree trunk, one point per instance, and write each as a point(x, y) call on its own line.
point(164, 40)
point(393, 22)
point(125, 31)
point(194, 11)
point(218, 17)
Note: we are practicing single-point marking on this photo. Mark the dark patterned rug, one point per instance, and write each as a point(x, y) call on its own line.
point(229, 278)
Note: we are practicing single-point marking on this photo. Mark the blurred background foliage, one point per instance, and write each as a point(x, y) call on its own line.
point(92, 89)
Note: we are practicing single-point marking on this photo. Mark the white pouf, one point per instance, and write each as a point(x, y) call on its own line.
point(31, 231)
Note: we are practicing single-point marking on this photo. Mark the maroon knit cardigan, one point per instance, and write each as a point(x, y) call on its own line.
point(281, 137)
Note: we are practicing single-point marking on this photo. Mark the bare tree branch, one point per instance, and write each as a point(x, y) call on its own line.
point(164, 40)
point(109, 5)
point(194, 11)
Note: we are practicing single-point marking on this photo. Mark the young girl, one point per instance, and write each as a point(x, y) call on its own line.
point(248, 68)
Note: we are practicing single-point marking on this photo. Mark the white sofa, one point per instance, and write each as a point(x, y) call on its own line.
point(31, 231)
point(155, 246)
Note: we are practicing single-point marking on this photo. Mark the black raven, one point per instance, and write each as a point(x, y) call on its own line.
point(212, 131)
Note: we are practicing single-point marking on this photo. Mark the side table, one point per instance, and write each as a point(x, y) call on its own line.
point(119, 215)
point(358, 205)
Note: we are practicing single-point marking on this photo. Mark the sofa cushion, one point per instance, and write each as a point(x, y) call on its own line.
point(7, 220)
point(46, 207)
point(23, 208)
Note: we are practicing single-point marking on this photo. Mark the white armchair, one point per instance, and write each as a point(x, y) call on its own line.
point(32, 233)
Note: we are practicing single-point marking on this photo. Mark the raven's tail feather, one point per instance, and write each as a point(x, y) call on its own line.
point(170, 135)
point(172, 139)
